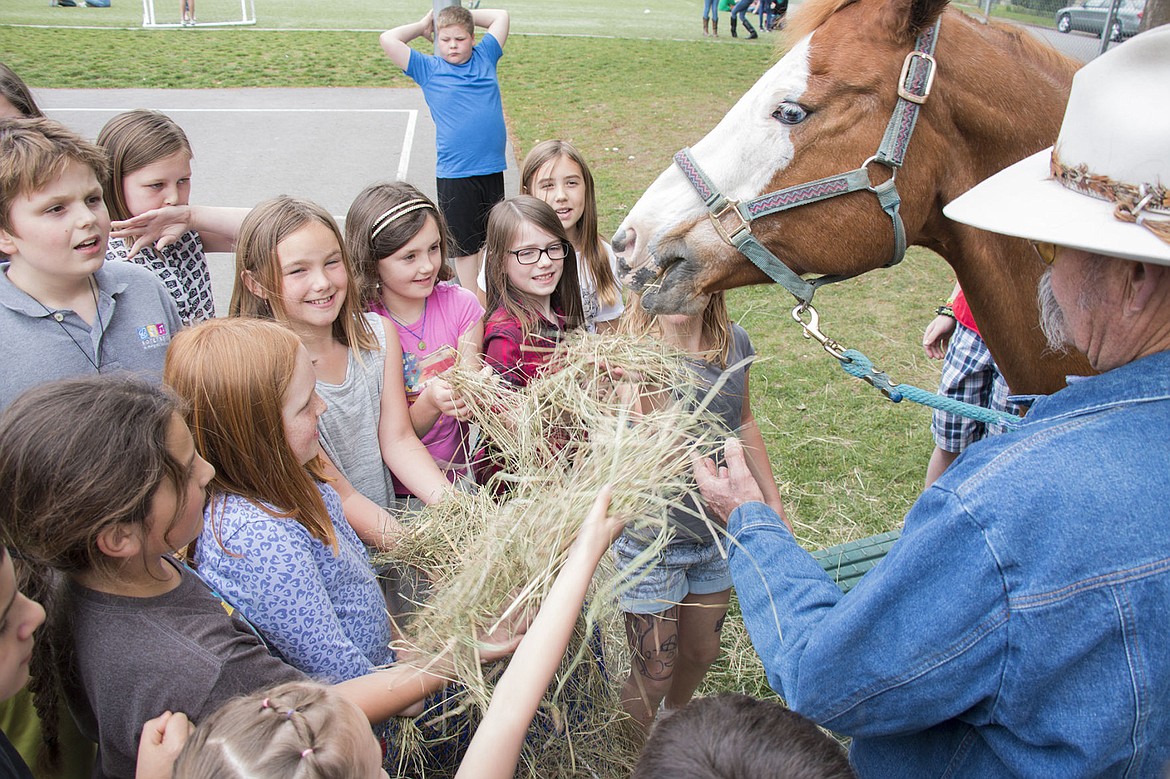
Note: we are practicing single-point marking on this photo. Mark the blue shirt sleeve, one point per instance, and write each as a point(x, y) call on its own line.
point(920, 640)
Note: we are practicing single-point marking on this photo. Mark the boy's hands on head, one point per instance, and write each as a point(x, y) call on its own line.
point(496, 20)
point(394, 42)
point(427, 26)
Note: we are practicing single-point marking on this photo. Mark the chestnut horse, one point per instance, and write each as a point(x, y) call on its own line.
point(998, 96)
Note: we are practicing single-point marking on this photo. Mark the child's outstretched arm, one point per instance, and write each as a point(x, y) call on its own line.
point(393, 691)
point(394, 42)
point(217, 226)
point(496, 747)
point(757, 456)
point(496, 20)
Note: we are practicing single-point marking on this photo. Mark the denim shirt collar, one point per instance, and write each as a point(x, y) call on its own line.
point(1144, 379)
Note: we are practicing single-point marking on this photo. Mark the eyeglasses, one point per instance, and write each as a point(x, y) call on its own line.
point(1047, 251)
point(531, 256)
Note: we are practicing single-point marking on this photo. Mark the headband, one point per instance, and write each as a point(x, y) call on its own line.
point(395, 213)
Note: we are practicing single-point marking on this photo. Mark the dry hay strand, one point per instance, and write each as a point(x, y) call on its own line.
point(492, 563)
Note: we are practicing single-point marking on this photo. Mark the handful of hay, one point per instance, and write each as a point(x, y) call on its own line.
point(561, 439)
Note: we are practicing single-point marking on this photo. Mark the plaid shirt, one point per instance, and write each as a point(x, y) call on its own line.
point(516, 357)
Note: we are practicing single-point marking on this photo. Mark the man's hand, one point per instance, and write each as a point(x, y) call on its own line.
point(728, 487)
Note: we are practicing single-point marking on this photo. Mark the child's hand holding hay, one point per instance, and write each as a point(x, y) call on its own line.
point(496, 747)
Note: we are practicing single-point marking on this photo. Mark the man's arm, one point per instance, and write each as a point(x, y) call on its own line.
point(394, 42)
point(496, 20)
point(920, 639)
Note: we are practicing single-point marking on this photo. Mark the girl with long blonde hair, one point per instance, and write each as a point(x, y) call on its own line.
point(675, 608)
point(294, 268)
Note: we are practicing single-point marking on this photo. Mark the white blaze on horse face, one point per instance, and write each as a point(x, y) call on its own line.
point(740, 155)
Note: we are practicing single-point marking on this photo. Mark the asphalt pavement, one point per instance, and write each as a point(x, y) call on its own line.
point(251, 144)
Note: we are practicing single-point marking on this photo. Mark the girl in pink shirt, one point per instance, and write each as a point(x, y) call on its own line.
point(398, 241)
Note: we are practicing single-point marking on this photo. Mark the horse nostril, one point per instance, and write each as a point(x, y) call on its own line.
point(623, 238)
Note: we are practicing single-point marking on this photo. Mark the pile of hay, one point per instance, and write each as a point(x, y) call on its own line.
point(560, 440)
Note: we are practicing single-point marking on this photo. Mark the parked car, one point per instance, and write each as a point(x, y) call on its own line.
point(1091, 16)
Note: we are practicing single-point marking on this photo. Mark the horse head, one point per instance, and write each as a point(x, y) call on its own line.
point(823, 109)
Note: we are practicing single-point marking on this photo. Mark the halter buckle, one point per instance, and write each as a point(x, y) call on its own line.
point(812, 329)
point(907, 64)
point(738, 225)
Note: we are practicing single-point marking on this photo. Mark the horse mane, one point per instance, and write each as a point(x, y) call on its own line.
point(811, 15)
point(814, 13)
point(1032, 49)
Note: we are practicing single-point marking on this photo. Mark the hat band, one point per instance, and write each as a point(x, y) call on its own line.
point(1131, 203)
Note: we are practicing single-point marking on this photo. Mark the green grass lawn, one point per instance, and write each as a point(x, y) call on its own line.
point(850, 463)
point(640, 19)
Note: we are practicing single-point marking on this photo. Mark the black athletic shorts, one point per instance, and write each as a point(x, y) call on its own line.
point(465, 204)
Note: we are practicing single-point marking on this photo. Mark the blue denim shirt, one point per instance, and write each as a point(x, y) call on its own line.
point(1019, 627)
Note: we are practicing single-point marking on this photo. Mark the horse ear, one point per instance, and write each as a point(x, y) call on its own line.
point(908, 18)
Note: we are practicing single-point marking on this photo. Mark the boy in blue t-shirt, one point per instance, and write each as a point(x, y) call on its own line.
point(463, 93)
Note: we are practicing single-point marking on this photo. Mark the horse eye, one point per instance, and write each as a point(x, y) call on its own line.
point(790, 113)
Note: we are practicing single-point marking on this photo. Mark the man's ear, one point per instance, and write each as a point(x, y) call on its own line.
point(252, 285)
point(121, 541)
point(1142, 282)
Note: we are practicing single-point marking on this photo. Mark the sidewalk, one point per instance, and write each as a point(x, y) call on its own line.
point(325, 144)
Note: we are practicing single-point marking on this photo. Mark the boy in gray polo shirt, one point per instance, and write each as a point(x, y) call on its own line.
point(63, 310)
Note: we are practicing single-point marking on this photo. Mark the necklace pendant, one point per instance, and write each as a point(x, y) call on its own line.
point(422, 345)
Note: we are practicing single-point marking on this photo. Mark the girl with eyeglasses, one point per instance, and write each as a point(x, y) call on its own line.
point(555, 172)
point(533, 294)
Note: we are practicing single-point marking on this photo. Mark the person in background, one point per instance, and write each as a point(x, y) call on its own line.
point(463, 92)
point(969, 375)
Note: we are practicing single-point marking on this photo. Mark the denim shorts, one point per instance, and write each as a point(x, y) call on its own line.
point(680, 569)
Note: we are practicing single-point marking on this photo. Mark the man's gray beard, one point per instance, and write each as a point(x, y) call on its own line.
point(1053, 323)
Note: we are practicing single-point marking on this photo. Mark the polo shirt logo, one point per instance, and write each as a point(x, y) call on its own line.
point(153, 336)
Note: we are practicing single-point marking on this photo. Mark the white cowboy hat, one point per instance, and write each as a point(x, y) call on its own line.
point(1105, 186)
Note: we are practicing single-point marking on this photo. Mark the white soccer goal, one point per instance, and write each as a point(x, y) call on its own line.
point(208, 13)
